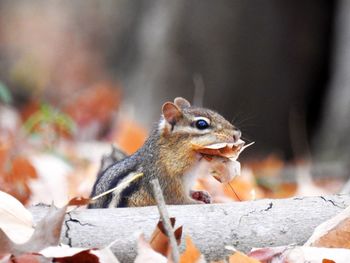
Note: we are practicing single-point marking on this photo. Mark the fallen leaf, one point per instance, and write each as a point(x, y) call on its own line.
point(97, 105)
point(271, 166)
point(315, 254)
point(335, 232)
point(239, 257)
point(51, 184)
point(244, 187)
point(17, 178)
point(67, 254)
point(268, 253)
point(160, 241)
point(191, 254)
point(145, 253)
point(84, 256)
point(46, 233)
point(15, 220)
point(27, 258)
point(79, 201)
point(129, 135)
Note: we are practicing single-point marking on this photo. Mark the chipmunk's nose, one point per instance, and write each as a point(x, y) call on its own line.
point(236, 134)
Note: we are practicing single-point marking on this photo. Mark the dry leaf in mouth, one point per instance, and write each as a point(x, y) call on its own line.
point(222, 157)
point(223, 149)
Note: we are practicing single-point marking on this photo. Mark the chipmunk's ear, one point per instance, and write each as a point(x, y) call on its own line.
point(171, 112)
point(182, 103)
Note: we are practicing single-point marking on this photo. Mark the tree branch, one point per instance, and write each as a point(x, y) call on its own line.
point(212, 227)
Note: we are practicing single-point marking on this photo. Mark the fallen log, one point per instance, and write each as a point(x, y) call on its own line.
point(243, 225)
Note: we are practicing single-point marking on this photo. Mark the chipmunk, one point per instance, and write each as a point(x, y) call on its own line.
point(167, 155)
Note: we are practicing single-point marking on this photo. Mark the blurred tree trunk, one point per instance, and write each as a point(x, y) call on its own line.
point(333, 141)
point(258, 61)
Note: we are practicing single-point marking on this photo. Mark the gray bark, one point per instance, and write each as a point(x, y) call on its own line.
point(240, 224)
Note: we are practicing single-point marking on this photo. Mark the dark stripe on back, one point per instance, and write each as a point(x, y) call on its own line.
point(98, 178)
point(127, 192)
point(115, 181)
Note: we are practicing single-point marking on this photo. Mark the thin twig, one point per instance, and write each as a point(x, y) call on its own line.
point(163, 212)
point(233, 190)
point(119, 186)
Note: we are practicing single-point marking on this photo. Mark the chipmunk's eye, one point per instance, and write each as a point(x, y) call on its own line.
point(202, 124)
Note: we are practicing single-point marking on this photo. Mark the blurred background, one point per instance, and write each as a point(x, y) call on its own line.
point(83, 71)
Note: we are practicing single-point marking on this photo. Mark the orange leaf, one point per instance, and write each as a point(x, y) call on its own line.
point(22, 169)
point(243, 187)
point(334, 233)
point(130, 136)
point(239, 257)
point(191, 254)
point(16, 179)
point(97, 103)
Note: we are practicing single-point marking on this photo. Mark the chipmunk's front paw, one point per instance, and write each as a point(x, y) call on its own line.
point(202, 196)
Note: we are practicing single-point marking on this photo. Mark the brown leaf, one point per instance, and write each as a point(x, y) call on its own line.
point(228, 150)
point(79, 201)
point(334, 233)
point(22, 169)
point(17, 177)
point(145, 253)
point(338, 237)
point(96, 103)
point(84, 256)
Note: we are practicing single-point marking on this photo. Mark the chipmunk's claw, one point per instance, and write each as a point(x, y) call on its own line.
point(202, 196)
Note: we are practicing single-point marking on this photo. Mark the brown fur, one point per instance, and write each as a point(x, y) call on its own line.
point(168, 155)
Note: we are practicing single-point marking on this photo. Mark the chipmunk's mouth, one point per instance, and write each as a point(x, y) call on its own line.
point(228, 150)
